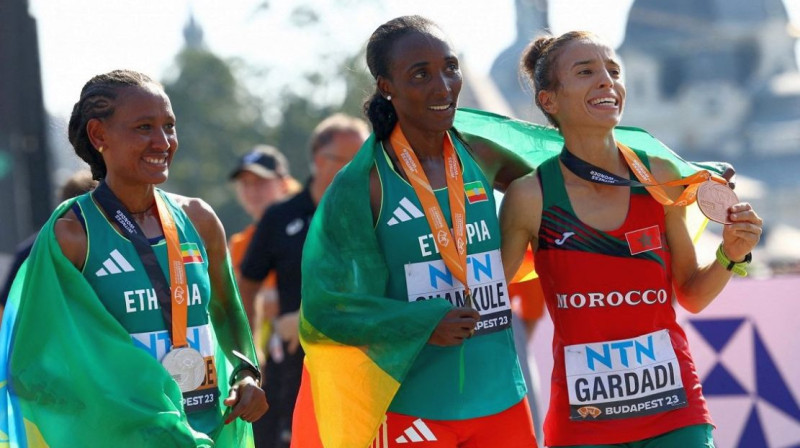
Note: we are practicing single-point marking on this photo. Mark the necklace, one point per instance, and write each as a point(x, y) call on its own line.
point(142, 211)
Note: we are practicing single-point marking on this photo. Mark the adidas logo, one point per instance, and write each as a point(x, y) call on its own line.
point(406, 211)
point(114, 265)
point(417, 432)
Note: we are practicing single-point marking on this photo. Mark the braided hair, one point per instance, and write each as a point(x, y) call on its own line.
point(98, 100)
point(378, 110)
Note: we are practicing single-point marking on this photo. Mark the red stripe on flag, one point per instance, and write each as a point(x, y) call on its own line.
point(305, 432)
point(477, 198)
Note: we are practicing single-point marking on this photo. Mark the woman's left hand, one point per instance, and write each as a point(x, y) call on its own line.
point(246, 400)
point(740, 237)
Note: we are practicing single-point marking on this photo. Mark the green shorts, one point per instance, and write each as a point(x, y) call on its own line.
point(695, 436)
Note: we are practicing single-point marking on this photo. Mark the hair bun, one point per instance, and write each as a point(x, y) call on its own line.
point(534, 51)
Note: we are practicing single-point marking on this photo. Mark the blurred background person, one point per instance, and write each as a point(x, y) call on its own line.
point(261, 178)
point(277, 246)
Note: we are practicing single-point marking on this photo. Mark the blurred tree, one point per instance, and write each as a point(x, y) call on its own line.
point(218, 120)
point(359, 84)
point(300, 114)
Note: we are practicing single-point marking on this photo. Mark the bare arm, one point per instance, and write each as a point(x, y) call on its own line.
point(696, 286)
point(500, 165)
point(248, 289)
point(520, 218)
point(246, 398)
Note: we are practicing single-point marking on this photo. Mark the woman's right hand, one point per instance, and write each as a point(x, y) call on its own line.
point(458, 324)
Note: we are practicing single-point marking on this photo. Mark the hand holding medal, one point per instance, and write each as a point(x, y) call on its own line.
point(715, 201)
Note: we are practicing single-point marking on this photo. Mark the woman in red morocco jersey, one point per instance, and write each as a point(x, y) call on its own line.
point(611, 257)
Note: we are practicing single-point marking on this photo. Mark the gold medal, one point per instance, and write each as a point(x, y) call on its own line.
point(714, 200)
point(186, 366)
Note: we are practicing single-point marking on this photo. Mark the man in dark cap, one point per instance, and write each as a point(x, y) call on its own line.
point(277, 246)
point(261, 178)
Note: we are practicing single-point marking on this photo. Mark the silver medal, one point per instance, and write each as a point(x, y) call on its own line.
point(186, 366)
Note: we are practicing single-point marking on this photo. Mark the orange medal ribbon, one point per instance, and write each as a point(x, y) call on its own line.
point(177, 274)
point(655, 189)
point(453, 255)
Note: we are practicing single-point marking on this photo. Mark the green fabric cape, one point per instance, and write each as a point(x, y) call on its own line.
point(71, 377)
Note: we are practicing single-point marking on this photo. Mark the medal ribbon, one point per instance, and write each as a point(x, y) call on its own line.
point(453, 254)
point(173, 301)
point(587, 171)
point(177, 275)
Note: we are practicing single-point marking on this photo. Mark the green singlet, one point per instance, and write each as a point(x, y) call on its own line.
point(117, 275)
point(491, 375)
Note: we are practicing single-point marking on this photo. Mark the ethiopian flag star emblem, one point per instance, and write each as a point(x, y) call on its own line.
point(190, 253)
point(475, 192)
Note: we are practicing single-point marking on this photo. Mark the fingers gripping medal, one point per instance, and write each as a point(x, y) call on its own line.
point(715, 200)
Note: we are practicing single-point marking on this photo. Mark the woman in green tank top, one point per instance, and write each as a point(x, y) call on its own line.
point(455, 375)
point(139, 334)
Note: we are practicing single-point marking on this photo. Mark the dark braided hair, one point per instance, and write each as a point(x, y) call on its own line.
point(538, 63)
point(378, 110)
point(98, 101)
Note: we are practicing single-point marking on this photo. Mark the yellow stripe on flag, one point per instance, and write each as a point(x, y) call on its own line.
point(351, 394)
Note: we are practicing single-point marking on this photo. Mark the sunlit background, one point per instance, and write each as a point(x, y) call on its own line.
point(713, 79)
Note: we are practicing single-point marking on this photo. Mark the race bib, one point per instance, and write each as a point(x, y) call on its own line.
point(157, 343)
point(624, 378)
point(427, 280)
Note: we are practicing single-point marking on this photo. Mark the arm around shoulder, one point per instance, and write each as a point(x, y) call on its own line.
point(500, 165)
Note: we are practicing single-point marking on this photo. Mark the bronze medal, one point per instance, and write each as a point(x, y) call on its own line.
point(186, 366)
point(714, 200)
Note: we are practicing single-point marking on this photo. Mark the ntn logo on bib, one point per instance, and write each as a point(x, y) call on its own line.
point(429, 279)
point(623, 378)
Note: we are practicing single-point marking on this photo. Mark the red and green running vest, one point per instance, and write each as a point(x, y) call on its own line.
point(622, 369)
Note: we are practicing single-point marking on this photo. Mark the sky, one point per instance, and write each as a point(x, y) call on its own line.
point(81, 38)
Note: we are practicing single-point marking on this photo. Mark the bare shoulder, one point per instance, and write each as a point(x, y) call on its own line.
point(71, 237)
point(480, 145)
point(526, 189)
point(522, 202)
point(665, 171)
point(203, 217)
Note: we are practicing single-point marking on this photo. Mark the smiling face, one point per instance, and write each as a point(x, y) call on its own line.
point(139, 138)
point(424, 81)
point(589, 89)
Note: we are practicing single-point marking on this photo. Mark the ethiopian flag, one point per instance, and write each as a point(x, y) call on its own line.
point(359, 344)
point(70, 375)
point(190, 253)
point(475, 192)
